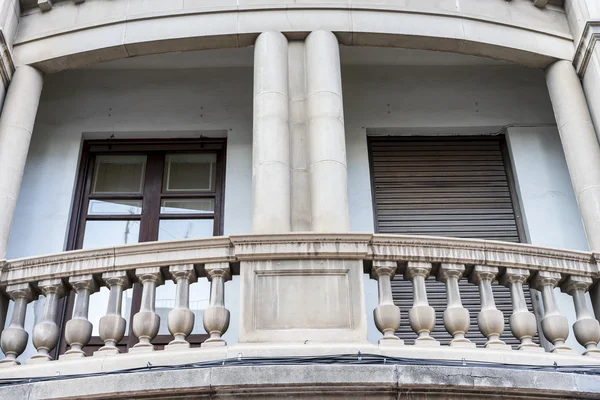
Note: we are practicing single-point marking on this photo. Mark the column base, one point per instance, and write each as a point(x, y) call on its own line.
point(72, 354)
point(141, 348)
point(106, 351)
point(214, 343)
point(38, 358)
point(531, 348)
point(177, 345)
point(390, 342)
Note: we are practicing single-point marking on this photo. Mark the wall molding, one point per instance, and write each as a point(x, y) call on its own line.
point(586, 46)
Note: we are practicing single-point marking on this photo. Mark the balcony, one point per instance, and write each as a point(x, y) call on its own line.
point(285, 268)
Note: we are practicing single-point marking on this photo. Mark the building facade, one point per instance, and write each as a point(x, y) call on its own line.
point(299, 199)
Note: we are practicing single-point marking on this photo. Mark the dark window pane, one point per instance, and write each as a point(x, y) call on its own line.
point(189, 172)
point(119, 174)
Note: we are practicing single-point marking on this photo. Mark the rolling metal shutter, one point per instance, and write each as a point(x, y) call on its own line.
point(444, 186)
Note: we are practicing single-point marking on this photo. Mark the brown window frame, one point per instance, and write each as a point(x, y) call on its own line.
point(151, 196)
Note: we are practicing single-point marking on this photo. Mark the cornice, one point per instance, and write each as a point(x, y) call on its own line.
point(586, 46)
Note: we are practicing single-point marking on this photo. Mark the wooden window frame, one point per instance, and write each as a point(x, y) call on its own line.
point(152, 193)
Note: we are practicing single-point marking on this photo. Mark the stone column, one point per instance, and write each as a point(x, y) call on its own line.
point(554, 325)
point(146, 322)
point(78, 329)
point(216, 316)
point(490, 320)
point(45, 332)
point(14, 338)
point(387, 314)
point(586, 328)
point(456, 318)
point(181, 319)
point(421, 315)
point(16, 127)
point(112, 325)
point(580, 143)
point(271, 202)
point(326, 135)
point(523, 324)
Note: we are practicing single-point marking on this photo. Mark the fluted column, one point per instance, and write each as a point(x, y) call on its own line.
point(271, 175)
point(78, 330)
point(523, 324)
point(112, 325)
point(326, 135)
point(14, 338)
point(16, 127)
point(421, 315)
point(579, 142)
point(554, 325)
point(387, 314)
point(181, 318)
point(216, 316)
point(45, 332)
point(146, 322)
point(490, 320)
point(586, 327)
point(456, 317)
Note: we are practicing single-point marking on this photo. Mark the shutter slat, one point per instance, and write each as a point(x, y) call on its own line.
point(444, 187)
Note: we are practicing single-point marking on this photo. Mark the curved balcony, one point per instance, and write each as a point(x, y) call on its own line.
point(383, 256)
point(74, 35)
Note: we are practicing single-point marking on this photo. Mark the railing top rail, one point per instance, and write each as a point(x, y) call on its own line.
point(363, 246)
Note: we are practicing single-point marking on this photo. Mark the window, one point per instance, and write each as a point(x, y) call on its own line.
point(131, 192)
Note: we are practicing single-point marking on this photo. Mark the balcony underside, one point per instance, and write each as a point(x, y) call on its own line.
point(369, 379)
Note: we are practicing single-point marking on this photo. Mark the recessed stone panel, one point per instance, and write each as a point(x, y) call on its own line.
point(302, 300)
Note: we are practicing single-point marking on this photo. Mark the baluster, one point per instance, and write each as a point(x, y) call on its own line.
point(14, 338)
point(523, 324)
point(112, 325)
point(456, 317)
point(78, 329)
point(45, 332)
point(490, 320)
point(421, 315)
point(586, 328)
point(181, 318)
point(554, 325)
point(146, 322)
point(387, 314)
point(216, 316)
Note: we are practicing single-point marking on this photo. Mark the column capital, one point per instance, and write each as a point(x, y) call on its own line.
point(383, 268)
point(414, 268)
point(151, 274)
point(447, 271)
point(545, 278)
point(183, 271)
point(52, 286)
point(118, 278)
point(20, 290)
point(216, 270)
point(86, 282)
point(575, 283)
point(482, 273)
point(514, 275)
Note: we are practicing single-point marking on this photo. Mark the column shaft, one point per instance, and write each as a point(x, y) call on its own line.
point(16, 127)
point(326, 137)
point(271, 137)
point(580, 143)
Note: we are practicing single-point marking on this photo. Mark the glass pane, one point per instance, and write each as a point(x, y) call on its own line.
point(115, 207)
point(187, 206)
point(199, 298)
point(175, 229)
point(189, 172)
point(97, 310)
point(110, 233)
point(119, 174)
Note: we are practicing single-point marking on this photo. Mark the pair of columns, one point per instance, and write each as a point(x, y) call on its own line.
point(299, 172)
point(299, 157)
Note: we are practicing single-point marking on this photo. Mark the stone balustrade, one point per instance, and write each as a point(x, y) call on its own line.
point(383, 256)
